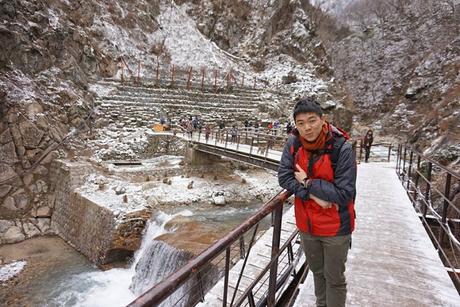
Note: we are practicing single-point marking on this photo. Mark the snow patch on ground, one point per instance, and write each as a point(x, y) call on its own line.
point(10, 270)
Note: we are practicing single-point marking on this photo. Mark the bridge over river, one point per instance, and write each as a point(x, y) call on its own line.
point(392, 262)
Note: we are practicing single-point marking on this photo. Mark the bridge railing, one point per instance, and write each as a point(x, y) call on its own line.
point(262, 140)
point(191, 279)
point(432, 189)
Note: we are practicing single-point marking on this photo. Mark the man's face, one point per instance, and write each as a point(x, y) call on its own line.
point(309, 125)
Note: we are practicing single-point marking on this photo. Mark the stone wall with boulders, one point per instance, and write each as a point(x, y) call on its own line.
point(164, 144)
point(26, 152)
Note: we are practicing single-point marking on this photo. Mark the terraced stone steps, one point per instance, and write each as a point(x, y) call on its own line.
point(131, 105)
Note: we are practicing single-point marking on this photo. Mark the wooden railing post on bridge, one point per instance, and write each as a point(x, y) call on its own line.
point(389, 152)
point(215, 81)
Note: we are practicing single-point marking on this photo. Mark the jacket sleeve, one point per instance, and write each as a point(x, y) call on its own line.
point(343, 189)
point(286, 177)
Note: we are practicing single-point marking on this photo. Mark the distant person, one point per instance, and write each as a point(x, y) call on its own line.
point(367, 143)
point(207, 131)
point(289, 128)
point(318, 166)
point(233, 133)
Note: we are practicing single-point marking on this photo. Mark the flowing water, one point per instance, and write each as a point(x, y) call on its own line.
point(88, 286)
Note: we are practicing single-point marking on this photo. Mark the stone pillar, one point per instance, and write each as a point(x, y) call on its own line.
point(195, 157)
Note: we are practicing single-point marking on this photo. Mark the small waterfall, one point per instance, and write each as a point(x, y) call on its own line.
point(113, 287)
point(158, 261)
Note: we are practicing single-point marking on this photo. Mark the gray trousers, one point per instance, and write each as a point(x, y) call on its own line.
point(326, 257)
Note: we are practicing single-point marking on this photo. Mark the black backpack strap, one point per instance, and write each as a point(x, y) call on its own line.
point(335, 152)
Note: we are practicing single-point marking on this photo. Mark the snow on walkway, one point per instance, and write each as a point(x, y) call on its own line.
point(392, 261)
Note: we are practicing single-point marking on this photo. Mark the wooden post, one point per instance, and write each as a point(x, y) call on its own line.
point(254, 87)
point(215, 81)
point(242, 81)
point(189, 78)
point(122, 73)
point(202, 79)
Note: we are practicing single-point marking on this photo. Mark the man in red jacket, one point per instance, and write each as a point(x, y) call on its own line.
point(319, 167)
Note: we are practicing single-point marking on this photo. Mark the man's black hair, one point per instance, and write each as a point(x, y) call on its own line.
point(307, 105)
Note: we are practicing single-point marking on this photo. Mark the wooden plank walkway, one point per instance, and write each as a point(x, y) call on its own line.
point(257, 260)
point(392, 261)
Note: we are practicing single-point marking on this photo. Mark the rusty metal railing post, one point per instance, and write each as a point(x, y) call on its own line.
point(444, 207)
point(389, 152)
point(242, 249)
point(404, 164)
point(360, 149)
point(227, 271)
point(278, 213)
point(122, 73)
point(428, 189)
point(417, 176)
point(410, 169)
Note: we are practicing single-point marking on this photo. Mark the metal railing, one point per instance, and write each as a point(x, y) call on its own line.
point(192, 277)
point(200, 78)
point(429, 185)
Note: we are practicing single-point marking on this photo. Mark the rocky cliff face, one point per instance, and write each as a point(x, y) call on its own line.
point(401, 65)
point(50, 52)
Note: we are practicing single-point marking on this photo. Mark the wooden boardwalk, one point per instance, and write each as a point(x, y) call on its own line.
point(257, 260)
point(392, 261)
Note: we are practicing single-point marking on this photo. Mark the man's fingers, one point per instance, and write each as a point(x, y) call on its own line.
point(297, 166)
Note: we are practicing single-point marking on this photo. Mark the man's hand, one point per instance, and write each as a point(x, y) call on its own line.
point(324, 204)
point(300, 174)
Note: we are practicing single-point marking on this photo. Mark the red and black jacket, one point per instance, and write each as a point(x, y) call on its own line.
point(332, 179)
